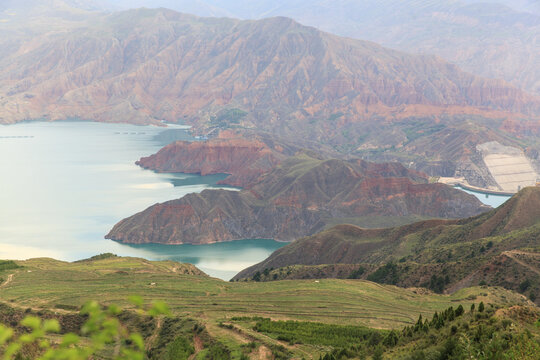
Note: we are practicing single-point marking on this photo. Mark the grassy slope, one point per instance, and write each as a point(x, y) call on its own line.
point(500, 247)
point(50, 284)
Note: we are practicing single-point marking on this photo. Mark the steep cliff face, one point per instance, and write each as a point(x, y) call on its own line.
point(245, 160)
point(299, 197)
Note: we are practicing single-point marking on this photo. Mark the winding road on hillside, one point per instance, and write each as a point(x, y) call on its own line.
point(9, 279)
point(513, 255)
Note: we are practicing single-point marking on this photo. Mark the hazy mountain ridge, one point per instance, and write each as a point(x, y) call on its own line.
point(157, 64)
point(496, 39)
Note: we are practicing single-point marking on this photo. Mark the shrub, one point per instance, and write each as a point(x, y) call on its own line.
point(356, 274)
point(387, 274)
point(481, 307)
point(524, 285)
point(102, 328)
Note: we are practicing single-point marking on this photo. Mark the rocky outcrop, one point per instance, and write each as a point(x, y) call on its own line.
point(245, 160)
point(299, 197)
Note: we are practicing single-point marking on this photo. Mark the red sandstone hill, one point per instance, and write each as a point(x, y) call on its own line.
point(272, 75)
point(245, 160)
point(144, 65)
point(299, 197)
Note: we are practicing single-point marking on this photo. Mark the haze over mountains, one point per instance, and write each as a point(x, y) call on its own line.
point(285, 78)
point(496, 38)
point(158, 64)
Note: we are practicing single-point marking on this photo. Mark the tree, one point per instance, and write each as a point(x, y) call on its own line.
point(391, 339)
point(481, 307)
point(377, 355)
point(102, 328)
point(524, 285)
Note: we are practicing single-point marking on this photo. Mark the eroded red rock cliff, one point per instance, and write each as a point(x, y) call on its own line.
point(245, 160)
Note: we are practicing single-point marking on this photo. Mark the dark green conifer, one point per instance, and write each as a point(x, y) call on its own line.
point(481, 307)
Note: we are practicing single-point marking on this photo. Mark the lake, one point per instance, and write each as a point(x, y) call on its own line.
point(488, 199)
point(63, 186)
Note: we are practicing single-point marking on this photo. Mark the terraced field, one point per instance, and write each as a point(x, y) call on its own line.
point(49, 283)
point(509, 166)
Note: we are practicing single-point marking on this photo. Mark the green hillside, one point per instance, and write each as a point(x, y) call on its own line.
point(500, 247)
point(226, 310)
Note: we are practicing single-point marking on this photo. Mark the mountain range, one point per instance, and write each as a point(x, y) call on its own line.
point(158, 64)
point(494, 38)
point(300, 196)
point(271, 76)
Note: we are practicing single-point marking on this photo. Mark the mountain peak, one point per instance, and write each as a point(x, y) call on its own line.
point(522, 210)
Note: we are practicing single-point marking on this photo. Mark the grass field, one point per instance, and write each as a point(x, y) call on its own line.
point(50, 284)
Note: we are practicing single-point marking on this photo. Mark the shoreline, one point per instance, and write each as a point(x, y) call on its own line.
point(461, 182)
point(483, 190)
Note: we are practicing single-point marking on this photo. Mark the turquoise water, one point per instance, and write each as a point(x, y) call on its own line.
point(488, 199)
point(224, 259)
point(63, 185)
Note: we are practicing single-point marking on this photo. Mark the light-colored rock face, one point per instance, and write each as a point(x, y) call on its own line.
point(509, 166)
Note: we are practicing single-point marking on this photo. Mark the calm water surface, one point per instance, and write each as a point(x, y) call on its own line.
point(63, 185)
point(488, 199)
